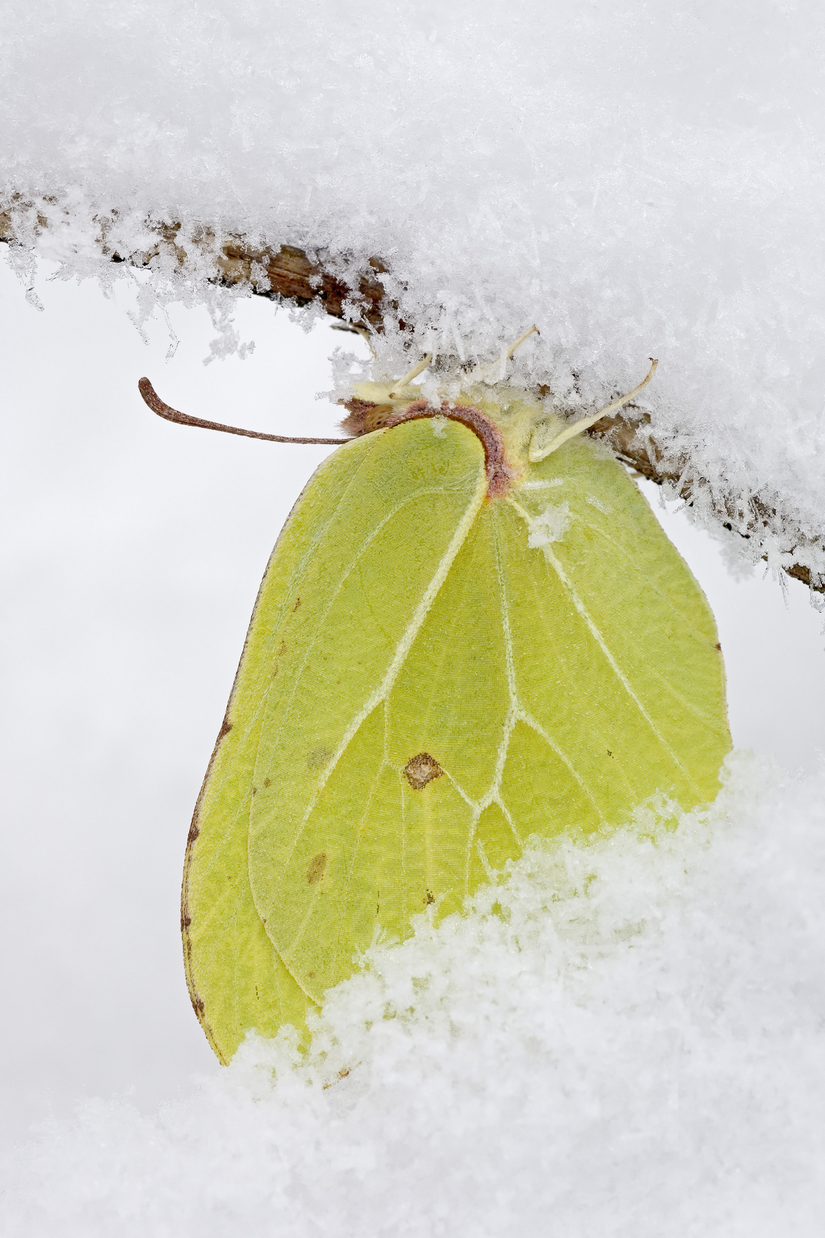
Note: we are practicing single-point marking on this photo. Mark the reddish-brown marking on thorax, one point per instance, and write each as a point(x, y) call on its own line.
point(364, 418)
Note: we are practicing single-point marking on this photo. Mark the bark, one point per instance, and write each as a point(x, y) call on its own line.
point(290, 274)
point(287, 273)
point(626, 433)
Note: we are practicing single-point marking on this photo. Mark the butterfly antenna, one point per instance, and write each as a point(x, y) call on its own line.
point(157, 405)
point(413, 373)
point(578, 427)
point(479, 374)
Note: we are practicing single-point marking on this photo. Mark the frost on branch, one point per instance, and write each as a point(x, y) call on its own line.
point(182, 258)
point(448, 175)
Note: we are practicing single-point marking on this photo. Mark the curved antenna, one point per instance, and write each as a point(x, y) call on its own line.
point(417, 369)
point(478, 374)
point(157, 405)
point(530, 331)
point(578, 427)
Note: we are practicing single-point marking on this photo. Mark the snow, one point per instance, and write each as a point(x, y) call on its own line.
point(641, 1057)
point(550, 526)
point(623, 1038)
point(637, 180)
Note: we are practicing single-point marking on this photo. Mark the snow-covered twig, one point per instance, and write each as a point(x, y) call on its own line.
point(358, 296)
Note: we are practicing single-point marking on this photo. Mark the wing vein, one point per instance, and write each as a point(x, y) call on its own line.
point(402, 649)
point(602, 643)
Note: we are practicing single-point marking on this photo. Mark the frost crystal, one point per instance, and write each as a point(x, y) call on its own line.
point(550, 526)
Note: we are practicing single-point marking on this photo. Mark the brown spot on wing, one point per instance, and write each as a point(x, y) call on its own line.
point(316, 868)
point(422, 769)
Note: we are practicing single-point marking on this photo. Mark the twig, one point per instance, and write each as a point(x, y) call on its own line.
point(289, 274)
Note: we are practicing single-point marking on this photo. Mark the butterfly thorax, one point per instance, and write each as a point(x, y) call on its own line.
point(507, 424)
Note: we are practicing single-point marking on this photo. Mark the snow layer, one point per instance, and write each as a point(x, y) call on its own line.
point(636, 178)
point(622, 1039)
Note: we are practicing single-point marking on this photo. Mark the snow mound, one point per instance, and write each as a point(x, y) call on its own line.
point(623, 1038)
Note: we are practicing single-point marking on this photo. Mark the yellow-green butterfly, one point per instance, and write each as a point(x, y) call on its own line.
point(472, 630)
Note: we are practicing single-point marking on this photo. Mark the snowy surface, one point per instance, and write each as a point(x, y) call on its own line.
point(643, 1057)
point(624, 1039)
point(637, 179)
